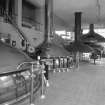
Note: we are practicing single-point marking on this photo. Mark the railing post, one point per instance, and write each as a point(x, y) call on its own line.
point(47, 71)
point(43, 80)
point(67, 62)
point(32, 85)
point(54, 64)
point(59, 62)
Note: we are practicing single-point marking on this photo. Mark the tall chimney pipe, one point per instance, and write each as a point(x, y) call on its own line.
point(48, 19)
point(91, 27)
point(77, 25)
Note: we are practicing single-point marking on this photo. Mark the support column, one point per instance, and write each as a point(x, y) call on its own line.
point(18, 12)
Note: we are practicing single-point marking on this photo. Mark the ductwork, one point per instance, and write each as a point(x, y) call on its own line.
point(77, 25)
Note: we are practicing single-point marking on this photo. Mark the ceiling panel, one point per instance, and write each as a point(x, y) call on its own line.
point(93, 11)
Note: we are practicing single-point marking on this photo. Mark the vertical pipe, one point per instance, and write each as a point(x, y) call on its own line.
point(7, 6)
point(48, 27)
point(18, 12)
point(77, 25)
point(32, 85)
point(91, 28)
point(77, 34)
point(52, 19)
point(48, 20)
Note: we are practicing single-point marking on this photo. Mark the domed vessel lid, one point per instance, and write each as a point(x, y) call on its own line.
point(92, 36)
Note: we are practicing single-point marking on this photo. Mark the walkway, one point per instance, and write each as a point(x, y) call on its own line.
point(85, 86)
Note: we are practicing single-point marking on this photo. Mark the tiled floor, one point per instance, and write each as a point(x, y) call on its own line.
point(85, 86)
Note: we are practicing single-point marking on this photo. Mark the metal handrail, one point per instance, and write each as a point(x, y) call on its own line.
point(32, 79)
point(22, 34)
point(12, 72)
point(32, 82)
point(23, 97)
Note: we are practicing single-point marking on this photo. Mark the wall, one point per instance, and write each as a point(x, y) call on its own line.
point(6, 28)
point(35, 37)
